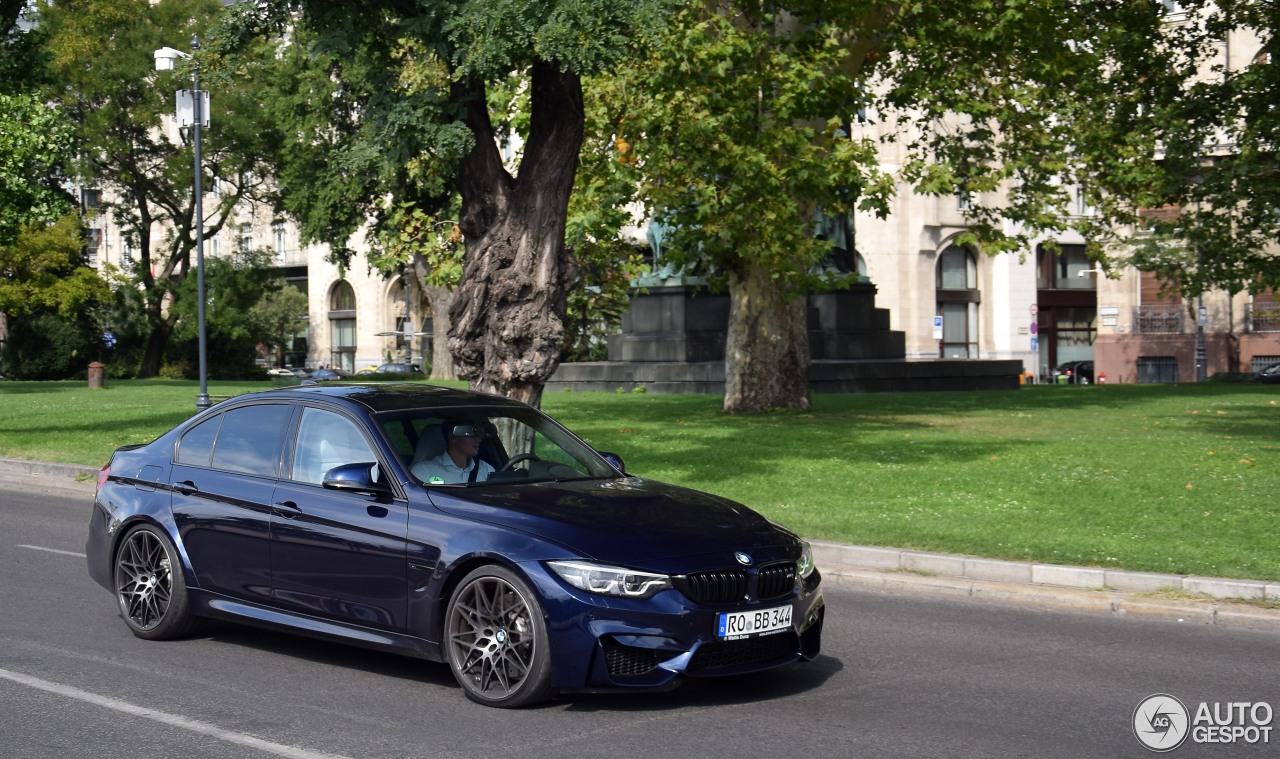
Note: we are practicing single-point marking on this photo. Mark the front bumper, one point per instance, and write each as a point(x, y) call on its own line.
point(603, 644)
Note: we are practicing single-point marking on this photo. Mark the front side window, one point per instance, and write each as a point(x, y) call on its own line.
point(514, 445)
point(327, 440)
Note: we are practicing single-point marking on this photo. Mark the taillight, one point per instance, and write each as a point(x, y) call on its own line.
point(103, 474)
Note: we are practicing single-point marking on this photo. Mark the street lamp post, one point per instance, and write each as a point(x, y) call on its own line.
point(165, 58)
point(1202, 359)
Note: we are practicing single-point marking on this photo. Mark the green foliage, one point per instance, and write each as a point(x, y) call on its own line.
point(43, 271)
point(233, 286)
point(737, 121)
point(279, 314)
point(602, 204)
point(34, 142)
point(47, 346)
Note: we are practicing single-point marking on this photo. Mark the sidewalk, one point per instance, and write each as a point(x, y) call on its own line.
point(1180, 598)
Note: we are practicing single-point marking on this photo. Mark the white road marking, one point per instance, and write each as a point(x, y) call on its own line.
point(53, 550)
point(173, 720)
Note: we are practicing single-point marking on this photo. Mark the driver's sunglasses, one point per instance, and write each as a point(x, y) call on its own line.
point(467, 430)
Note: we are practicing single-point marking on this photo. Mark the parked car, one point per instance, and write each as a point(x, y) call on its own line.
point(298, 508)
point(400, 368)
point(329, 373)
point(286, 371)
point(1075, 372)
point(1269, 374)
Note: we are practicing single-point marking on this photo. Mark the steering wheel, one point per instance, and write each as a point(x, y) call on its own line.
point(516, 459)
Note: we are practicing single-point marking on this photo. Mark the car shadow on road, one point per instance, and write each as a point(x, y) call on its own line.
point(784, 682)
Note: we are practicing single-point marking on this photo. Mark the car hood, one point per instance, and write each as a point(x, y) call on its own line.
point(631, 521)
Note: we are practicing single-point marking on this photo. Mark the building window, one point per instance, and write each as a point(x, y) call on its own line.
point(93, 241)
point(1263, 314)
point(1157, 369)
point(277, 230)
point(343, 297)
point(128, 246)
point(1067, 300)
point(1080, 203)
point(957, 301)
point(1067, 269)
point(1159, 309)
point(1258, 363)
point(246, 237)
point(342, 326)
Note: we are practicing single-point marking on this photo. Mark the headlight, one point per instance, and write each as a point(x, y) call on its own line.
point(804, 564)
point(610, 581)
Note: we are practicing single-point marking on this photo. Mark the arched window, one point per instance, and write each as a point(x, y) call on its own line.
point(958, 298)
point(342, 326)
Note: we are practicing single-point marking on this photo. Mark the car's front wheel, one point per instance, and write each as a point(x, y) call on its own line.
point(497, 639)
point(150, 588)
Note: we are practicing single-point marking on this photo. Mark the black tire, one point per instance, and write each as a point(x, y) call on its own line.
point(150, 587)
point(496, 640)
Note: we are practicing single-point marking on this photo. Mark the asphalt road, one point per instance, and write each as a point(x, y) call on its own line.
point(899, 677)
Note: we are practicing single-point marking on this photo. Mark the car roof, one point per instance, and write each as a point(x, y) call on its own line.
point(388, 396)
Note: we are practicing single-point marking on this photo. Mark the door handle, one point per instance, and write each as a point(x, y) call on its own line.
point(286, 509)
point(186, 487)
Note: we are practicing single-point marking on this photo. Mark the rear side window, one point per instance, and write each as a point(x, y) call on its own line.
point(249, 439)
point(196, 448)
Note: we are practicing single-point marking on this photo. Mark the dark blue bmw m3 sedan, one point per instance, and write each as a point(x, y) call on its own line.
point(452, 526)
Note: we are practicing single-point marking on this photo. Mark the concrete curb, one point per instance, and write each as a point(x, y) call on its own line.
point(1087, 589)
point(893, 570)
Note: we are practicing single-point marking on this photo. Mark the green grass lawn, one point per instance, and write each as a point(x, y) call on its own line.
point(1168, 478)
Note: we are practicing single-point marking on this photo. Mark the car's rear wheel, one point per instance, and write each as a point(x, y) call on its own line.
point(150, 588)
point(497, 639)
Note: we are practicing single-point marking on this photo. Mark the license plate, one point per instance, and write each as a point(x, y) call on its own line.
point(752, 624)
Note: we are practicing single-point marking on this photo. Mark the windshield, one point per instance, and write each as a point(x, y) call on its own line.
point(478, 445)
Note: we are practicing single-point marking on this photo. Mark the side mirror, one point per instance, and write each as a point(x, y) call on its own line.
point(358, 478)
point(614, 460)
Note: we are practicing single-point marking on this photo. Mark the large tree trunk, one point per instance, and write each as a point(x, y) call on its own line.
point(157, 341)
point(441, 300)
point(508, 311)
point(767, 350)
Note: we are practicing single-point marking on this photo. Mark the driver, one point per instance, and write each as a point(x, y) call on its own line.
point(460, 460)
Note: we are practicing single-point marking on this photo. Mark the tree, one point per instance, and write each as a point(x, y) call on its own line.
point(35, 140)
point(121, 108)
point(234, 285)
point(1196, 202)
point(280, 314)
point(736, 121)
point(44, 271)
point(1018, 106)
point(48, 298)
point(432, 114)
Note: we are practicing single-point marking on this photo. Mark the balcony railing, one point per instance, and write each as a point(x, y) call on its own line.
point(1159, 319)
point(291, 257)
point(1262, 317)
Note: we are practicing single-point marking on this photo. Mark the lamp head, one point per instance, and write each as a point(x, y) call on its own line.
point(165, 57)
